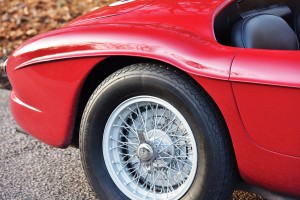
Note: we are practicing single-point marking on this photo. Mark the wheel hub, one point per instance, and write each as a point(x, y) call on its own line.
point(163, 146)
point(145, 152)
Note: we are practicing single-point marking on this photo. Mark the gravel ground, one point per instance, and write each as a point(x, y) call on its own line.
point(32, 170)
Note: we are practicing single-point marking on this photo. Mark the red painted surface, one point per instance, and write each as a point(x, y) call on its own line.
point(268, 67)
point(191, 48)
point(110, 11)
point(257, 95)
point(45, 95)
point(173, 45)
point(193, 15)
point(256, 164)
point(269, 109)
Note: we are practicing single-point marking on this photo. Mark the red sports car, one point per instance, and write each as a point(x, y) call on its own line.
point(169, 99)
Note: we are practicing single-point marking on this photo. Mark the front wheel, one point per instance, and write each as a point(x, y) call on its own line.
point(148, 132)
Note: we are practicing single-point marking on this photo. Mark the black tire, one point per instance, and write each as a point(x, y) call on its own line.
point(216, 168)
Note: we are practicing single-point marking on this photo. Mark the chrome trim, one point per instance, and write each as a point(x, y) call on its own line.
point(3, 67)
point(120, 2)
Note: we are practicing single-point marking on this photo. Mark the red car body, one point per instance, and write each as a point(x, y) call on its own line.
point(256, 90)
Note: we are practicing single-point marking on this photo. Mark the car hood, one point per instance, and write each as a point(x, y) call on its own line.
point(195, 16)
point(113, 9)
point(116, 26)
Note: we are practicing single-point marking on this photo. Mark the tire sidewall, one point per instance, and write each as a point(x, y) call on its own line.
point(122, 87)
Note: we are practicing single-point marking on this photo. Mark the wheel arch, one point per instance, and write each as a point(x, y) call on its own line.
point(178, 86)
point(100, 72)
point(110, 65)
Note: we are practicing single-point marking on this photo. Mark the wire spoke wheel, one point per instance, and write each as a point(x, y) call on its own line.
point(149, 149)
point(149, 132)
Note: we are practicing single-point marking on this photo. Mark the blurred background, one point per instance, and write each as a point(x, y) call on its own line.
point(23, 19)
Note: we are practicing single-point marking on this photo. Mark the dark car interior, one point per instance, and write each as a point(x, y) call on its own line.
point(268, 24)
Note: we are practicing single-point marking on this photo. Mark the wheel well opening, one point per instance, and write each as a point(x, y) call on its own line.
point(101, 71)
point(110, 65)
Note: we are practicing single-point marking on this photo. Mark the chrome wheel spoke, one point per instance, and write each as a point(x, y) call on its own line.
point(149, 149)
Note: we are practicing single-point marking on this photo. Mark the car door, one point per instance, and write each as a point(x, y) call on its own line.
point(266, 85)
